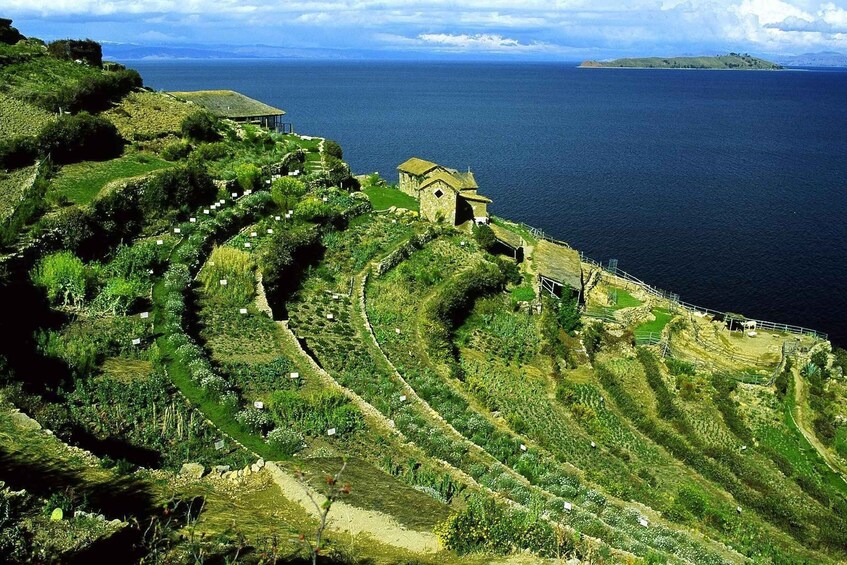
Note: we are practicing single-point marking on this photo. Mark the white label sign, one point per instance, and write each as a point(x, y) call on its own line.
point(402, 398)
point(136, 341)
point(145, 315)
point(523, 447)
point(253, 234)
point(192, 220)
point(248, 244)
point(329, 316)
point(242, 310)
point(643, 522)
point(177, 230)
point(205, 210)
point(568, 506)
point(224, 282)
point(270, 230)
point(278, 218)
point(160, 242)
point(330, 432)
point(295, 375)
point(258, 405)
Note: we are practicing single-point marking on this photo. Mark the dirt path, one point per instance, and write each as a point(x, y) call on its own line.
point(346, 518)
point(800, 422)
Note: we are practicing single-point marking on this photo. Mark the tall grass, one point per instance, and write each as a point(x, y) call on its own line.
point(236, 268)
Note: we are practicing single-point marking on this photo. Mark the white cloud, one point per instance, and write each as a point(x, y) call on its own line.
point(530, 26)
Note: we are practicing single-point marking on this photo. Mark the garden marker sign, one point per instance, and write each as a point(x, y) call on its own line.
point(330, 432)
point(568, 506)
point(144, 315)
point(223, 282)
point(242, 310)
point(177, 230)
point(136, 341)
point(160, 242)
point(295, 375)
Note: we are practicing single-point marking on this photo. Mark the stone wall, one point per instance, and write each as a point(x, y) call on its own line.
point(434, 208)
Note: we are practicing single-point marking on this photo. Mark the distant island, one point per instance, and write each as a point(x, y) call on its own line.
point(732, 61)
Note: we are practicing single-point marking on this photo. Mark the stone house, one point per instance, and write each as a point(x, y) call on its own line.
point(445, 194)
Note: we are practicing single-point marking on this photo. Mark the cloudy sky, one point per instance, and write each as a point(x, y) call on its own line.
point(541, 29)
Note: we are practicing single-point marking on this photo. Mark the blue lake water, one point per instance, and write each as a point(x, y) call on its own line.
point(729, 188)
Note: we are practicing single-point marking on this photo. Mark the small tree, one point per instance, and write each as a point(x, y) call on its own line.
point(286, 191)
point(333, 149)
point(248, 176)
point(314, 543)
point(200, 126)
point(567, 312)
point(484, 237)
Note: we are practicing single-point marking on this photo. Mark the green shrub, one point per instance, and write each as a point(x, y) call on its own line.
point(18, 152)
point(285, 440)
point(211, 151)
point(487, 527)
point(64, 277)
point(314, 415)
point(81, 137)
point(200, 126)
point(484, 237)
point(286, 192)
point(176, 150)
point(678, 367)
point(523, 294)
point(333, 149)
point(183, 187)
point(248, 175)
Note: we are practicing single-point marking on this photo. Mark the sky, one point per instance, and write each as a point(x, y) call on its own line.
point(530, 29)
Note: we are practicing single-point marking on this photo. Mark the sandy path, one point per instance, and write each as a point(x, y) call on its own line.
point(346, 518)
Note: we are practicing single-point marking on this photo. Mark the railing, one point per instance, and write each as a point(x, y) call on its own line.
point(674, 298)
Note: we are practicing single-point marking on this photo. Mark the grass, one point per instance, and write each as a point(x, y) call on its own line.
point(663, 316)
point(12, 188)
point(625, 299)
point(82, 182)
point(373, 489)
point(384, 198)
point(148, 115)
point(518, 229)
point(20, 118)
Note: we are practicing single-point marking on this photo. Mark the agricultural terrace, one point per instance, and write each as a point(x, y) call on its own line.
point(146, 115)
point(216, 323)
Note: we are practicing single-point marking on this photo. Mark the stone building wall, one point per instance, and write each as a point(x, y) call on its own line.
point(434, 207)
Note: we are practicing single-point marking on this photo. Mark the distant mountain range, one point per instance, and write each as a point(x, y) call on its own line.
point(822, 59)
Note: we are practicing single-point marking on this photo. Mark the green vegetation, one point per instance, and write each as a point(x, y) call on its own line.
point(83, 182)
point(662, 317)
point(733, 61)
point(171, 322)
point(384, 197)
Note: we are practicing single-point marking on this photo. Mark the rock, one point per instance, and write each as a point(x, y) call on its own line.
point(573, 561)
point(260, 463)
point(221, 469)
point(246, 471)
point(255, 467)
point(23, 421)
point(192, 470)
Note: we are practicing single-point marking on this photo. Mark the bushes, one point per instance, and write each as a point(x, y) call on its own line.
point(18, 152)
point(64, 277)
point(333, 149)
point(176, 150)
point(183, 187)
point(484, 237)
point(282, 249)
point(485, 526)
point(286, 440)
point(200, 126)
point(81, 137)
point(286, 191)
point(248, 176)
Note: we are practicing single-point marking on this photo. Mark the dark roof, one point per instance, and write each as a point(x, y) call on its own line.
point(228, 103)
point(558, 263)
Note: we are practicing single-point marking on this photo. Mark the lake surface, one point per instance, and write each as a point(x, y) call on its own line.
point(726, 187)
